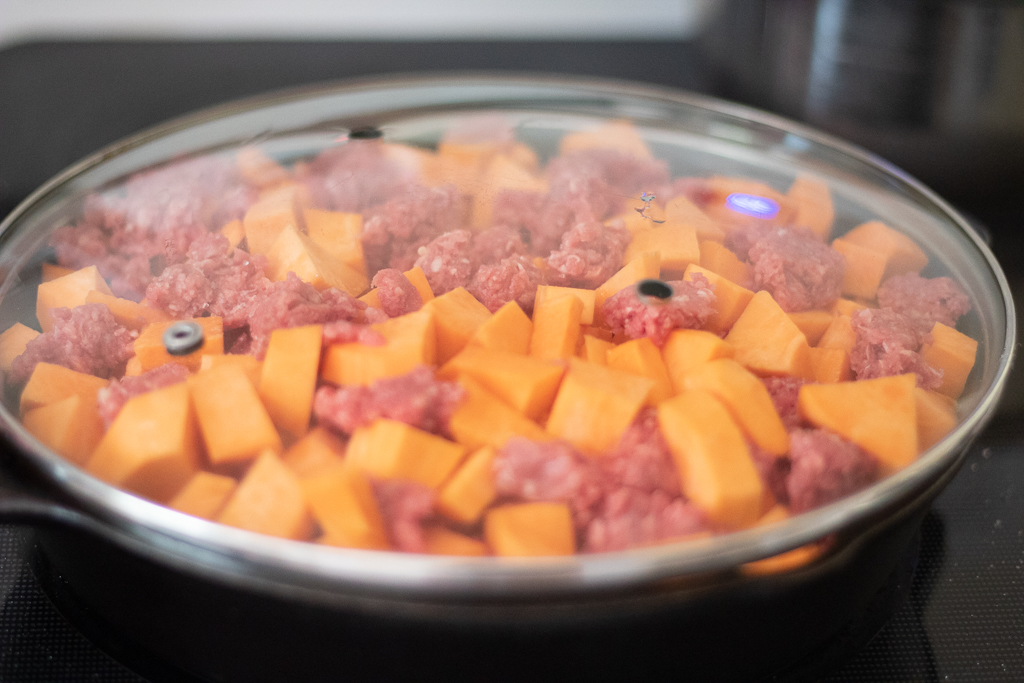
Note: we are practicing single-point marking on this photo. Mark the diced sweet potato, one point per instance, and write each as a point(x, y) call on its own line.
point(470, 489)
point(879, 415)
point(204, 495)
point(644, 266)
point(501, 173)
point(319, 451)
point(289, 377)
point(681, 210)
point(411, 341)
point(526, 383)
point(388, 449)
point(864, 269)
point(458, 315)
point(839, 335)
point(293, 252)
point(595, 405)
point(675, 242)
point(812, 323)
point(234, 423)
point(954, 353)
point(274, 211)
point(339, 234)
point(595, 349)
point(642, 357)
point(687, 349)
point(620, 136)
point(152, 447)
point(783, 562)
point(441, 541)
point(151, 352)
point(530, 530)
point(343, 503)
point(719, 260)
point(715, 468)
point(936, 417)
point(126, 312)
point(509, 329)
point(767, 342)
point(51, 271)
point(831, 365)
point(548, 293)
point(556, 328)
point(269, 500)
point(747, 400)
point(902, 255)
point(482, 419)
point(252, 367)
point(67, 292)
point(72, 426)
point(133, 368)
point(13, 342)
point(50, 383)
point(259, 169)
point(846, 307)
point(730, 299)
point(234, 232)
point(639, 215)
point(813, 202)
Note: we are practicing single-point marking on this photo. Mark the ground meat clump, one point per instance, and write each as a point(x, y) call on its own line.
point(691, 304)
point(85, 338)
point(497, 243)
point(923, 301)
point(629, 517)
point(740, 239)
point(403, 506)
point(293, 303)
point(773, 470)
point(603, 178)
point(355, 176)
point(799, 270)
point(447, 261)
point(825, 468)
point(344, 332)
point(551, 472)
point(540, 217)
point(415, 398)
point(211, 282)
point(112, 398)
point(887, 344)
point(512, 279)
point(784, 392)
point(641, 460)
point(589, 254)
point(394, 231)
point(397, 295)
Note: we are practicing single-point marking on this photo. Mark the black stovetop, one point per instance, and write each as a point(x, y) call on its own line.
point(958, 614)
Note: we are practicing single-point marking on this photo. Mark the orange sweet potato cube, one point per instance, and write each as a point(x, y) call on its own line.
point(865, 268)
point(715, 468)
point(730, 299)
point(846, 307)
point(879, 415)
point(812, 323)
point(675, 242)
point(526, 383)
point(501, 173)
point(767, 342)
point(838, 335)
point(548, 293)
point(954, 353)
point(638, 215)
point(831, 365)
point(556, 328)
point(483, 419)
point(411, 341)
point(343, 503)
point(418, 280)
point(151, 352)
point(51, 271)
point(642, 357)
point(746, 398)
point(204, 495)
point(685, 350)
point(595, 405)
point(339, 234)
point(813, 203)
point(50, 383)
point(470, 489)
point(458, 315)
point(509, 329)
point(530, 530)
point(441, 541)
point(319, 451)
point(902, 255)
point(13, 342)
point(234, 232)
point(67, 292)
point(619, 135)
point(258, 169)
point(72, 426)
point(389, 449)
point(132, 315)
point(289, 377)
point(723, 186)
point(152, 447)
point(719, 260)
point(234, 423)
point(681, 210)
point(133, 368)
point(644, 266)
point(595, 349)
point(936, 417)
point(253, 368)
point(269, 500)
point(274, 211)
point(293, 252)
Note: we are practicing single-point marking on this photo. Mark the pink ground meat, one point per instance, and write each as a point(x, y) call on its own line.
point(689, 308)
point(641, 460)
point(415, 398)
point(629, 518)
point(355, 176)
point(211, 282)
point(397, 295)
point(887, 344)
point(394, 231)
point(113, 397)
point(344, 332)
point(403, 506)
point(544, 219)
point(604, 178)
point(512, 279)
point(589, 254)
point(497, 243)
point(85, 339)
point(773, 470)
point(447, 261)
point(924, 301)
point(799, 270)
point(550, 471)
point(740, 239)
point(293, 303)
point(784, 392)
point(825, 468)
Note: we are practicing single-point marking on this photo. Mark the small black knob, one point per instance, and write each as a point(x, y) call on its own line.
point(182, 338)
point(657, 289)
point(365, 133)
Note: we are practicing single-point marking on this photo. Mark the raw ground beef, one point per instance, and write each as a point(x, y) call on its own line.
point(447, 261)
point(415, 398)
point(697, 190)
point(397, 295)
point(629, 517)
point(604, 178)
point(403, 506)
point(550, 471)
point(799, 270)
point(394, 231)
point(344, 332)
point(784, 392)
point(740, 239)
point(774, 471)
point(539, 216)
point(923, 301)
point(691, 303)
point(112, 398)
point(293, 303)
point(512, 279)
point(497, 243)
point(825, 468)
point(887, 344)
point(641, 460)
point(355, 176)
point(85, 338)
point(589, 254)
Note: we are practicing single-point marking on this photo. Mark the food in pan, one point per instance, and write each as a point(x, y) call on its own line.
point(463, 350)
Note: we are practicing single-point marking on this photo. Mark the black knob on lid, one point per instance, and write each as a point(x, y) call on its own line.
point(182, 338)
point(656, 289)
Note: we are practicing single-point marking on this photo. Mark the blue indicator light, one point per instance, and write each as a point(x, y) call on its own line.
point(752, 205)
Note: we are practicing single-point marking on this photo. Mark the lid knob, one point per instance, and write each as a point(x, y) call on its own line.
point(654, 289)
point(182, 338)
